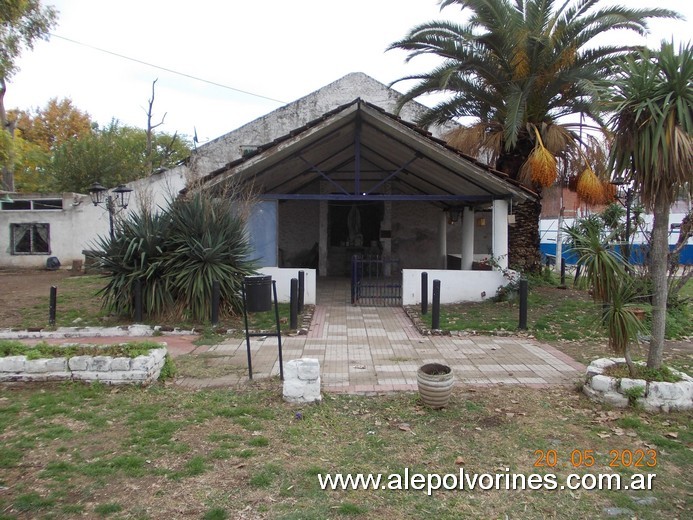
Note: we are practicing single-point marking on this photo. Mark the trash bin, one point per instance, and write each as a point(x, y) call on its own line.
point(52, 263)
point(258, 293)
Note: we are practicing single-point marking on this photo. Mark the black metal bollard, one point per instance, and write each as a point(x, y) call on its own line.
point(293, 319)
point(523, 305)
point(577, 276)
point(279, 331)
point(354, 278)
point(435, 317)
point(301, 290)
point(52, 305)
point(138, 300)
point(424, 293)
point(216, 295)
point(562, 286)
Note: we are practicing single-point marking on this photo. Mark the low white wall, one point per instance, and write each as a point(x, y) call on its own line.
point(455, 286)
point(283, 278)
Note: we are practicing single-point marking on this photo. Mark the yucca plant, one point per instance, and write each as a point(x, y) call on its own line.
point(600, 263)
point(207, 242)
point(177, 254)
point(622, 324)
point(650, 98)
point(136, 252)
point(606, 274)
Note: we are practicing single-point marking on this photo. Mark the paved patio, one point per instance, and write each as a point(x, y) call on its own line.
point(378, 349)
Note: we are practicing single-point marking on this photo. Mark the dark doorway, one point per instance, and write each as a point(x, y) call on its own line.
point(353, 229)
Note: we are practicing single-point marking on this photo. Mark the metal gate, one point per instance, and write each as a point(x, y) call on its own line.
point(376, 281)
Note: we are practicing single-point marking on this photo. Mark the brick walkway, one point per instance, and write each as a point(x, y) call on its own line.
point(377, 349)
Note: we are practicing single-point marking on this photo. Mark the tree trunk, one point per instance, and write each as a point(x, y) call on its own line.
point(659, 251)
point(523, 237)
point(7, 169)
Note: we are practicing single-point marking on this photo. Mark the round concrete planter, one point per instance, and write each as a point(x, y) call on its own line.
point(655, 396)
point(435, 382)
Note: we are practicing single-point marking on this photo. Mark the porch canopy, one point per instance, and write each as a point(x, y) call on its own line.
point(359, 153)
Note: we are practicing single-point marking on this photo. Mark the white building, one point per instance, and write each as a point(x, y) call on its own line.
point(310, 163)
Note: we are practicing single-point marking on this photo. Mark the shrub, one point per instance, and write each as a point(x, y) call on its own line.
point(207, 242)
point(607, 274)
point(137, 252)
point(177, 254)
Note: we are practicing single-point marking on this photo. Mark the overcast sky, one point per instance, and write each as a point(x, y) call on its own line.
point(277, 49)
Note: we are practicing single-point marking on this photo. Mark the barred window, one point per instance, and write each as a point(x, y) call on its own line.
point(30, 239)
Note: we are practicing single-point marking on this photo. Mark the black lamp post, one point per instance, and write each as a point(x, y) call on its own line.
point(118, 198)
point(620, 182)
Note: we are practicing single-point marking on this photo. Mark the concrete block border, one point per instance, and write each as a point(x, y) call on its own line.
point(302, 381)
point(135, 331)
point(141, 370)
point(656, 396)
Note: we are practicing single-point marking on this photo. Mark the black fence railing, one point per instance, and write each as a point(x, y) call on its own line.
point(376, 281)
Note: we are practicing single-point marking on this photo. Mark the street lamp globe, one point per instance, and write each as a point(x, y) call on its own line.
point(97, 193)
point(121, 194)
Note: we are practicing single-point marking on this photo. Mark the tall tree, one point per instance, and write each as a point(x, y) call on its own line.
point(652, 99)
point(519, 68)
point(22, 22)
point(38, 133)
point(111, 155)
point(50, 126)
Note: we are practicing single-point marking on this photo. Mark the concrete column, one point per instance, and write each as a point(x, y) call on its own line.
point(500, 232)
point(322, 244)
point(387, 224)
point(467, 238)
point(443, 240)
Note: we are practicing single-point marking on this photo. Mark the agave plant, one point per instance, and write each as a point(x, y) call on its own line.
point(136, 252)
point(207, 243)
point(177, 254)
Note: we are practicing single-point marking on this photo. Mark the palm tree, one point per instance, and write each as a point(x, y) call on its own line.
point(519, 68)
point(652, 99)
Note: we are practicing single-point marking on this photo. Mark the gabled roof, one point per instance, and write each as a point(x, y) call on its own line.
point(357, 148)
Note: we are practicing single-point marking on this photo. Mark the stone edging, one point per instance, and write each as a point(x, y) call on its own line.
point(657, 396)
point(135, 331)
point(141, 370)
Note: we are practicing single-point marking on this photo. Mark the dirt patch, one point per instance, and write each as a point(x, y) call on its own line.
point(22, 288)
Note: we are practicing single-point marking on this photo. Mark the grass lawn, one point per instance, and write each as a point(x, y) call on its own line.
point(79, 305)
point(552, 314)
point(76, 451)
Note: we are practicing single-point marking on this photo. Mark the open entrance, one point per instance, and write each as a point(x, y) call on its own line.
point(353, 229)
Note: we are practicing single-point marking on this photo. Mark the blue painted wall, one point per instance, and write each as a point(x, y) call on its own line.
point(637, 254)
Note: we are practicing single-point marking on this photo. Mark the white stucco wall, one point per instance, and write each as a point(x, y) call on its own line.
point(283, 278)
point(72, 229)
point(455, 286)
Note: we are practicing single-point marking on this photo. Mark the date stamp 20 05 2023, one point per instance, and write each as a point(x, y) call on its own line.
point(637, 458)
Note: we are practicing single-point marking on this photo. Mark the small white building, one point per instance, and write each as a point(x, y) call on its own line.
point(336, 174)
